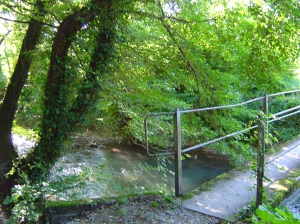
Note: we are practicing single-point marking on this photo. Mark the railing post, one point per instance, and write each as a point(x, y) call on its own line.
point(260, 161)
point(266, 104)
point(266, 110)
point(178, 163)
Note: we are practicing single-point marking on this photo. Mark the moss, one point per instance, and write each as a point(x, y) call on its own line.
point(224, 176)
point(283, 188)
point(187, 196)
point(79, 206)
point(53, 204)
point(57, 211)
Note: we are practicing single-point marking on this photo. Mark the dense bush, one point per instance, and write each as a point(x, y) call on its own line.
point(289, 127)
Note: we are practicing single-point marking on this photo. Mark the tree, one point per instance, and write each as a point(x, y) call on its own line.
point(59, 116)
point(9, 105)
point(59, 120)
point(147, 56)
point(199, 54)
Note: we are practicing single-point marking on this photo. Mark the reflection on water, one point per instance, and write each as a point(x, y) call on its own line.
point(95, 170)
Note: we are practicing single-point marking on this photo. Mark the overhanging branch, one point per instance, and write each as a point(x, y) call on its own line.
point(14, 20)
point(3, 38)
point(24, 22)
point(173, 18)
point(189, 63)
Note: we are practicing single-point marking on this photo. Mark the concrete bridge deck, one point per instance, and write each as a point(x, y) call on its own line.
point(228, 197)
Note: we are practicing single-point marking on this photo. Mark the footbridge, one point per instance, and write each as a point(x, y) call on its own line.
point(263, 119)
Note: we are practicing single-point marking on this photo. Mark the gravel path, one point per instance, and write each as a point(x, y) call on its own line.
point(148, 209)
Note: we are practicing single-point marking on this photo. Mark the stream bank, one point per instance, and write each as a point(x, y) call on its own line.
point(146, 209)
point(92, 150)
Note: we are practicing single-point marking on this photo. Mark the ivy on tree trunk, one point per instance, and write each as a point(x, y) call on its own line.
point(58, 119)
point(10, 101)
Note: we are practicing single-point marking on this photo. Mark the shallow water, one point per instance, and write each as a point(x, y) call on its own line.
point(113, 169)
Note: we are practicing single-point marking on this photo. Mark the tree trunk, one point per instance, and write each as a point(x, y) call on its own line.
point(11, 98)
point(87, 95)
point(57, 120)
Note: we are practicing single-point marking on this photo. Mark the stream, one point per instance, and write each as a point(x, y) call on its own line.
point(95, 170)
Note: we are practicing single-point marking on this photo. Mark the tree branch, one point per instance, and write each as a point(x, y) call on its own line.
point(189, 63)
point(3, 38)
point(25, 22)
point(173, 18)
point(13, 20)
point(12, 8)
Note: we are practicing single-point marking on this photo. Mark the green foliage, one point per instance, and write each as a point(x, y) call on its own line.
point(123, 200)
point(287, 128)
point(225, 45)
point(28, 201)
point(237, 51)
point(169, 199)
point(154, 204)
point(274, 216)
point(25, 132)
point(144, 57)
point(3, 81)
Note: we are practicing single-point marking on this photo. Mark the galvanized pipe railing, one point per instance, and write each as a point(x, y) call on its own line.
point(217, 139)
point(262, 129)
point(260, 161)
point(222, 107)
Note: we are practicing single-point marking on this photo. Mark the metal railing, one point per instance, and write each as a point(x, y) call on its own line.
point(261, 125)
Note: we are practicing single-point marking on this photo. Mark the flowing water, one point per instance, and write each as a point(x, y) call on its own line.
point(103, 170)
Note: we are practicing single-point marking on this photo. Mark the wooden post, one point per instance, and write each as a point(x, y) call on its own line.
point(178, 163)
point(260, 161)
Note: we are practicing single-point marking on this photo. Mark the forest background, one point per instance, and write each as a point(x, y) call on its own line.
point(71, 66)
